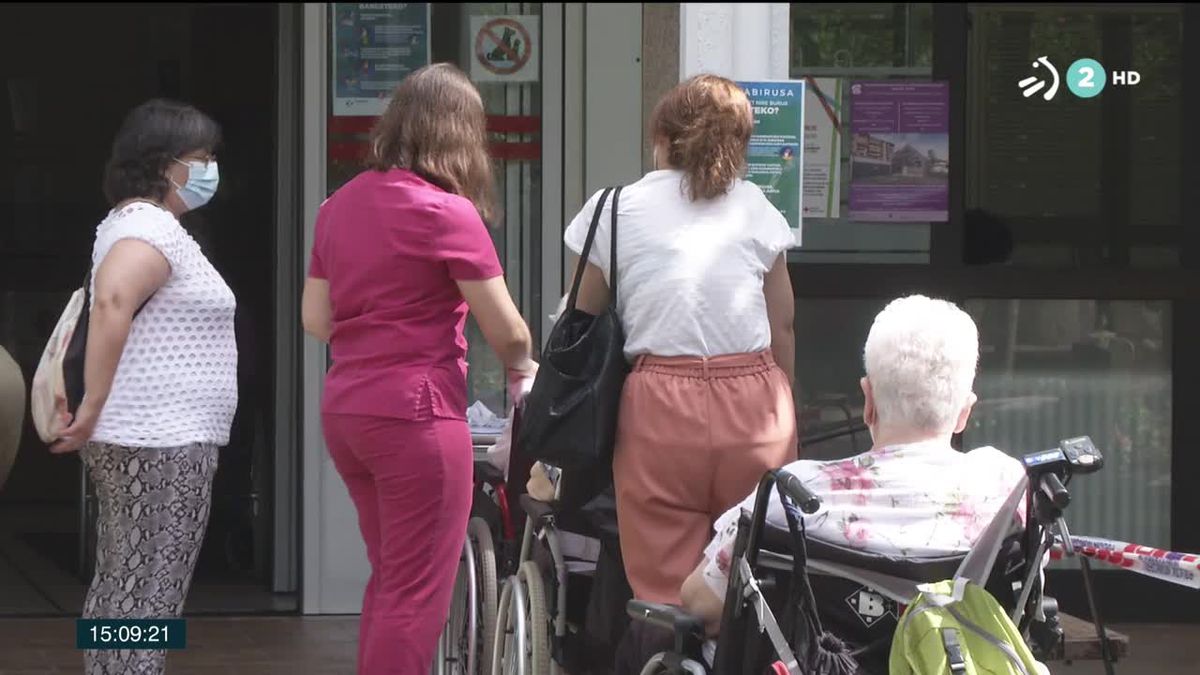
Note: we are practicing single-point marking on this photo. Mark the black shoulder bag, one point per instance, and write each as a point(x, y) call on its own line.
point(570, 416)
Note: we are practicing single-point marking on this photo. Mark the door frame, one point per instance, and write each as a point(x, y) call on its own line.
point(285, 489)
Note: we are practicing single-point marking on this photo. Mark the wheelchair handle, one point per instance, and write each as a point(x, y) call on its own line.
point(1055, 491)
point(794, 489)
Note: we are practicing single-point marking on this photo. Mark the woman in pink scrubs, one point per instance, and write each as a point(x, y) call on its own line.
point(400, 255)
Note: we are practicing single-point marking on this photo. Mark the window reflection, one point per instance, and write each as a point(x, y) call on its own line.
point(1055, 369)
point(1080, 182)
point(862, 35)
point(1049, 370)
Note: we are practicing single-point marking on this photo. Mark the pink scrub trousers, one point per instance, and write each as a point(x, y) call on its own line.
point(411, 483)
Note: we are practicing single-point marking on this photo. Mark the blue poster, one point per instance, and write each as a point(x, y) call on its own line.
point(375, 46)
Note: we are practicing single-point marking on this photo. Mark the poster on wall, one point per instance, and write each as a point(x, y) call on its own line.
point(822, 147)
point(900, 151)
point(505, 49)
point(776, 158)
point(375, 46)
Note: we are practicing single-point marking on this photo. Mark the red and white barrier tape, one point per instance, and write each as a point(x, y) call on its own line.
point(1177, 568)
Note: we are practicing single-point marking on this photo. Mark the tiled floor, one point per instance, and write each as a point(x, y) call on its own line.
point(326, 646)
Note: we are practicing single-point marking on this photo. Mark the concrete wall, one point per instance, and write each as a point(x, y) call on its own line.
point(660, 63)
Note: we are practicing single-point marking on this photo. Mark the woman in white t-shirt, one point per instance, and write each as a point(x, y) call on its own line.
point(707, 308)
point(160, 375)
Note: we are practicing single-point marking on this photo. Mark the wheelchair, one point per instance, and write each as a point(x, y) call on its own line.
point(775, 621)
point(543, 607)
point(465, 645)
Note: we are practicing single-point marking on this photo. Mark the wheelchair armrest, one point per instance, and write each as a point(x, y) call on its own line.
point(686, 629)
point(535, 509)
point(668, 617)
point(486, 472)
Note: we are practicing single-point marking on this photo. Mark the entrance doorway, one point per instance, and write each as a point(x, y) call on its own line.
point(64, 99)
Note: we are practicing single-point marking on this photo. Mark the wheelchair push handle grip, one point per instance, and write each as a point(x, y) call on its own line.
point(794, 489)
point(1055, 491)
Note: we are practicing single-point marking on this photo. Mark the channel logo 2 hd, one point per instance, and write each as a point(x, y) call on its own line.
point(1085, 78)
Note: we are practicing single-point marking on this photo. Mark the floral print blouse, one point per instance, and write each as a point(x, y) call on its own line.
point(914, 500)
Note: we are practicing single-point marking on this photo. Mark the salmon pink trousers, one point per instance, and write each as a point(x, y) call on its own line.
point(694, 437)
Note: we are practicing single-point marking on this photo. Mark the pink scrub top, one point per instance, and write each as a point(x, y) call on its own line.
point(392, 245)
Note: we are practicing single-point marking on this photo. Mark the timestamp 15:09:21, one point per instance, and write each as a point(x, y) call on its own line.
point(130, 634)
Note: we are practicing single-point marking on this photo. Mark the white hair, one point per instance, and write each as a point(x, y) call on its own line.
point(920, 360)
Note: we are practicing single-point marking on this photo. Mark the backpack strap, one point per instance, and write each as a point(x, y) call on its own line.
point(954, 651)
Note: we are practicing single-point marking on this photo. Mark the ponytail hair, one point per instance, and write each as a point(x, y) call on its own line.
point(705, 123)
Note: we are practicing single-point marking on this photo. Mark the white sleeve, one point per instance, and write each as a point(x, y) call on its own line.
point(152, 226)
point(773, 236)
point(577, 231)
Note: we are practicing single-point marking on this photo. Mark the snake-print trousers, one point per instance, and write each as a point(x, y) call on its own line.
point(153, 509)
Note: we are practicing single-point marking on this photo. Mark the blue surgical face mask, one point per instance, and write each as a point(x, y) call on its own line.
point(201, 184)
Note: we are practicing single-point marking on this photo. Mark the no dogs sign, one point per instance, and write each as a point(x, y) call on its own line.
point(505, 49)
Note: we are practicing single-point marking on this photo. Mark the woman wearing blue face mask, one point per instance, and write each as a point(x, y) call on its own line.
point(160, 374)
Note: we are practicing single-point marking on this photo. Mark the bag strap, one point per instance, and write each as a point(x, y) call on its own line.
point(585, 254)
point(612, 253)
point(801, 590)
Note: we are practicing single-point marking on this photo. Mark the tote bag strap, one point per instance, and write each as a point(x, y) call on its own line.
point(612, 253)
point(585, 254)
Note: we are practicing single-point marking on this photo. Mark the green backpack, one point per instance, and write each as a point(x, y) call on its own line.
point(955, 627)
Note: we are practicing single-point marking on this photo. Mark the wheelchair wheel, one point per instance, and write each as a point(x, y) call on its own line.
point(537, 619)
point(458, 648)
point(486, 581)
point(508, 649)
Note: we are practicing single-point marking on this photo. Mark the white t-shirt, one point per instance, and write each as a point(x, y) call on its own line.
point(690, 274)
point(176, 383)
point(912, 500)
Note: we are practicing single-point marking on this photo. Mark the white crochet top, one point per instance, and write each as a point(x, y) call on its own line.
point(176, 383)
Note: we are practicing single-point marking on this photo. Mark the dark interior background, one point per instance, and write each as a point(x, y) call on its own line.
point(70, 74)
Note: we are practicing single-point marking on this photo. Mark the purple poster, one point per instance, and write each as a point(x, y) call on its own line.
point(900, 151)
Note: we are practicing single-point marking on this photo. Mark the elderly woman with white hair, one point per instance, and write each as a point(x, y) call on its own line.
point(912, 494)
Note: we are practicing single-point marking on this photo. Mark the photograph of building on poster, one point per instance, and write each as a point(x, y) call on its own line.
point(900, 159)
point(900, 151)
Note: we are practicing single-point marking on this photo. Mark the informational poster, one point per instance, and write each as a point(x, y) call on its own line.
point(900, 151)
point(505, 49)
point(822, 147)
point(776, 158)
point(375, 46)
